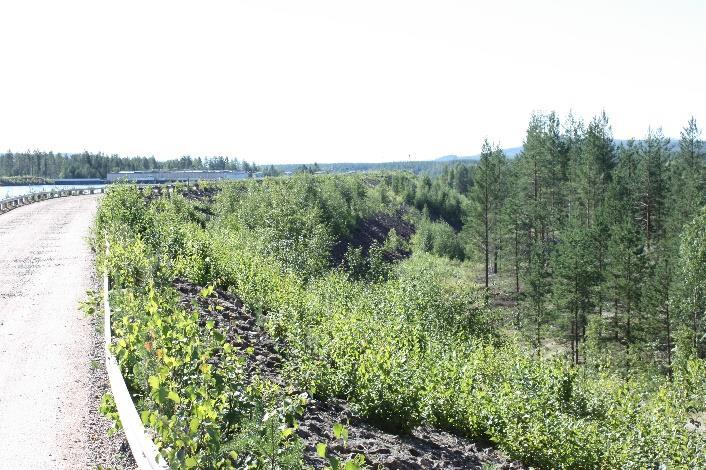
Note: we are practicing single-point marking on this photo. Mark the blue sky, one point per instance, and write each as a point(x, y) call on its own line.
point(282, 81)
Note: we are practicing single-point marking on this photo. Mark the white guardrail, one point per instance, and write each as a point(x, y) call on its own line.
point(143, 449)
point(14, 202)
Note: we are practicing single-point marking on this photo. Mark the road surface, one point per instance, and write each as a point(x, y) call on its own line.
point(50, 380)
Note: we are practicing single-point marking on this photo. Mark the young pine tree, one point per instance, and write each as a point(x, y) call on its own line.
point(533, 185)
point(514, 222)
point(592, 170)
point(687, 182)
point(652, 177)
point(487, 196)
point(537, 284)
point(627, 270)
point(657, 304)
point(575, 276)
point(692, 281)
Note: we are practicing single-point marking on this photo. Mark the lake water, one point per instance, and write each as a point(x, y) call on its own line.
point(12, 191)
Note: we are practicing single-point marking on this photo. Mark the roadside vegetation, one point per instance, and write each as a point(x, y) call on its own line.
point(552, 304)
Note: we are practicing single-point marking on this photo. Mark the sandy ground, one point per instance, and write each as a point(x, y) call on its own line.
point(51, 370)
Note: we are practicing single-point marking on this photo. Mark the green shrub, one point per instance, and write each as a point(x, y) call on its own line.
point(438, 238)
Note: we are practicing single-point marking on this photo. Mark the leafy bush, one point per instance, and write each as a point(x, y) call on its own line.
point(285, 223)
point(438, 238)
point(190, 385)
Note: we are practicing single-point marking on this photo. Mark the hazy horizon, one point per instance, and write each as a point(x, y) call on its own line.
point(324, 82)
point(617, 140)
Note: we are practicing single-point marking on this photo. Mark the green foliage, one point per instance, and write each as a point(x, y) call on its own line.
point(652, 174)
point(357, 462)
point(434, 198)
point(538, 287)
point(109, 409)
point(487, 198)
point(592, 170)
point(458, 176)
point(370, 267)
point(266, 439)
point(92, 304)
point(575, 278)
point(124, 211)
point(294, 223)
point(692, 287)
point(190, 385)
point(438, 238)
point(417, 344)
point(627, 274)
point(687, 178)
point(23, 180)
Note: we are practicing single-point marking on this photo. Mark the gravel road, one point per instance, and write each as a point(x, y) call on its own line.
point(51, 369)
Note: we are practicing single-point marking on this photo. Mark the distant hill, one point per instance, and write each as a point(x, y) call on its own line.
point(514, 151)
point(453, 158)
point(509, 152)
point(429, 167)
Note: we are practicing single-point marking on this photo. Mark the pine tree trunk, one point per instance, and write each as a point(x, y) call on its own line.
point(669, 341)
point(539, 332)
point(517, 262)
point(576, 337)
point(573, 342)
point(694, 326)
point(600, 287)
point(575, 346)
point(616, 326)
point(485, 221)
point(649, 224)
point(627, 345)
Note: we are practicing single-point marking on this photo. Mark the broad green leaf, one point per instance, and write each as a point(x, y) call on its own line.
point(153, 381)
point(321, 450)
point(174, 397)
point(340, 431)
point(194, 424)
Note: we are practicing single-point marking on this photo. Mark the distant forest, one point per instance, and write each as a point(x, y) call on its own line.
point(36, 166)
point(428, 167)
point(50, 165)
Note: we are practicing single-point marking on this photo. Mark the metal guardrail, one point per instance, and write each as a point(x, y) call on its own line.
point(14, 202)
point(143, 449)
